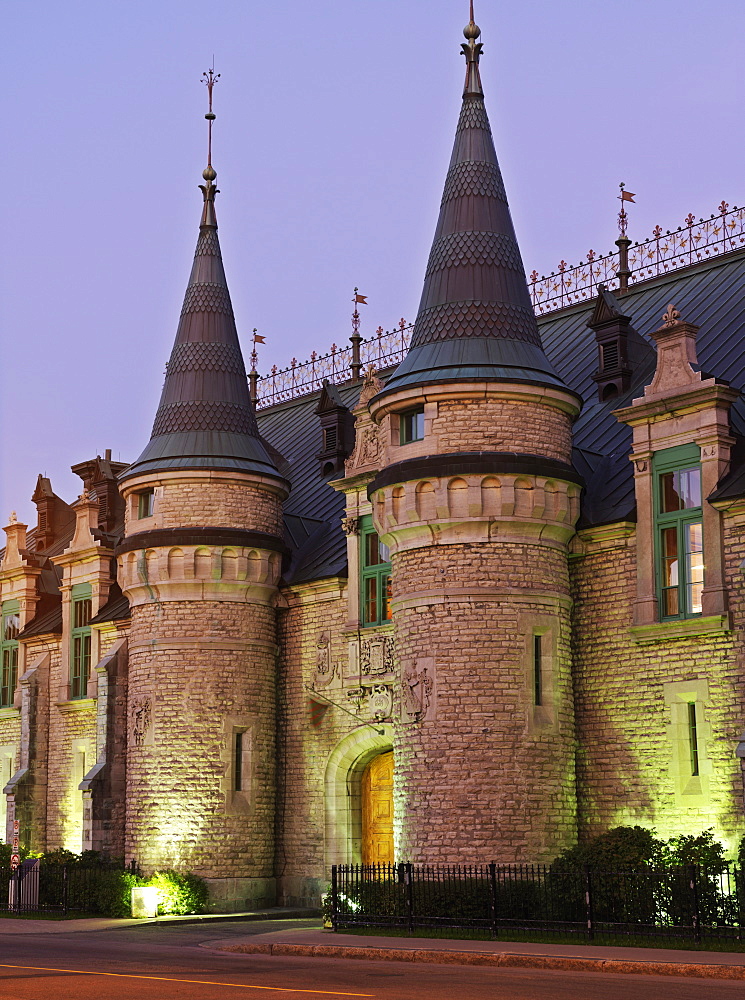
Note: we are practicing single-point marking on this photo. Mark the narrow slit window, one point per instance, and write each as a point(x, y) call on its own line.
point(238, 762)
point(537, 669)
point(693, 737)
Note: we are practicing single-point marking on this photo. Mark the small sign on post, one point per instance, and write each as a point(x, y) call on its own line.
point(15, 858)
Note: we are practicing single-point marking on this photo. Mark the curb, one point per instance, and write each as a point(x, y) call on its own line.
point(198, 918)
point(500, 960)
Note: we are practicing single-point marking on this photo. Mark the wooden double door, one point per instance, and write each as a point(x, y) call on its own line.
point(377, 810)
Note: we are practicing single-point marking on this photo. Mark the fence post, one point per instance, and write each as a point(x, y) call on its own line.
point(409, 879)
point(64, 889)
point(334, 895)
point(493, 895)
point(695, 915)
point(588, 904)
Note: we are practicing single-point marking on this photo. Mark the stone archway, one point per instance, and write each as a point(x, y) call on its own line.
point(343, 791)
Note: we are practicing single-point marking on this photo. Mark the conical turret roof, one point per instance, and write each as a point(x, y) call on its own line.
point(475, 319)
point(206, 418)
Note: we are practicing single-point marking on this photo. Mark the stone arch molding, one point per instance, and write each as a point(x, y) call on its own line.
point(200, 573)
point(474, 508)
point(343, 794)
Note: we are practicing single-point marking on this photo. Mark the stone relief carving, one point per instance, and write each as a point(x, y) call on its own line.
point(366, 450)
point(350, 525)
point(141, 719)
point(376, 655)
point(417, 689)
point(380, 702)
point(325, 671)
point(371, 386)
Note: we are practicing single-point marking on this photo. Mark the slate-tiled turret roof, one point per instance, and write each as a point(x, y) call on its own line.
point(206, 418)
point(475, 318)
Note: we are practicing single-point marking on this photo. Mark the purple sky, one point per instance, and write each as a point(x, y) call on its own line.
point(334, 126)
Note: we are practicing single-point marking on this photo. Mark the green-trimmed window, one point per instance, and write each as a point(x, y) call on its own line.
point(145, 500)
point(80, 640)
point(679, 546)
point(375, 576)
point(11, 624)
point(411, 425)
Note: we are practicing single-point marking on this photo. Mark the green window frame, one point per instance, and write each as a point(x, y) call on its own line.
point(411, 425)
point(145, 500)
point(11, 626)
point(375, 576)
point(679, 555)
point(80, 641)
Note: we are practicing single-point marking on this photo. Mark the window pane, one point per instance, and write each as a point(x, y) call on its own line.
point(11, 626)
point(372, 549)
point(690, 488)
point(694, 566)
point(670, 594)
point(680, 490)
point(412, 425)
point(385, 585)
point(371, 599)
point(384, 552)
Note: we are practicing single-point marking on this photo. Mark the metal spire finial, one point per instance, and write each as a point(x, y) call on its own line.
point(472, 51)
point(209, 173)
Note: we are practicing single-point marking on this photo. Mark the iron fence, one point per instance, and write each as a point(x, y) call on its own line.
point(675, 904)
point(59, 889)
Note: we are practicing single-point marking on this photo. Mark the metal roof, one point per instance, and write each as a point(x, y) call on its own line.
point(475, 319)
point(710, 294)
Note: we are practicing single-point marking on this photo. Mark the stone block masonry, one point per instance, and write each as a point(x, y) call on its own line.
point(200, 672)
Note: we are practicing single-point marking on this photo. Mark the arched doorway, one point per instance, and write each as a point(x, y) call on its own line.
point(377, 810)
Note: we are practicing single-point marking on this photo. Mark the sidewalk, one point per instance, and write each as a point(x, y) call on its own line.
point(498, 954)
point(11, 925)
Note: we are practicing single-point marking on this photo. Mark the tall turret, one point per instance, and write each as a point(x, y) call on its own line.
point(477, 500)
point(200, 565)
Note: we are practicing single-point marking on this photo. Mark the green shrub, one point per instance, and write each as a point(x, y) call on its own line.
point(179, 892)
point(624, 848)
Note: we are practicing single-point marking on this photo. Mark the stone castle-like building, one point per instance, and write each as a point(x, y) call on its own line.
point(471, 607)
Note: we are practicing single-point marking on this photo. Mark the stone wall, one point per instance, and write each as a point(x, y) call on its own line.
point(198, 672)
point(496, 424)
point(480, 774)
point(633, 759)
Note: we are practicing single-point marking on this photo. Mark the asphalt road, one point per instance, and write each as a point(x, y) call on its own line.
point(167, 963)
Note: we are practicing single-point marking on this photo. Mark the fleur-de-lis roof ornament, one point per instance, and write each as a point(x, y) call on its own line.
point(13, 519)
point(671, 317)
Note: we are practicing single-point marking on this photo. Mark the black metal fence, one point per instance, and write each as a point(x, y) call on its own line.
point(675, 904)
point(58, 889)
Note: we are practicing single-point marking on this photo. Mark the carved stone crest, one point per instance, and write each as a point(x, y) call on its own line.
point(141, 717)
point(376, 655)
point(325, 670)
point(371, 386)
point(380, 702)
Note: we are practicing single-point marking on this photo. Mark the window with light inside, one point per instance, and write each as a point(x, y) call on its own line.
point(375, 576)
point(679, 532)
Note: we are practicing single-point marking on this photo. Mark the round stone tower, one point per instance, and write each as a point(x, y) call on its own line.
point(477, 499)
point(200, 563)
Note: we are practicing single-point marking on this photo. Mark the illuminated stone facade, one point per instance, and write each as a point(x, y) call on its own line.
point(200, 658)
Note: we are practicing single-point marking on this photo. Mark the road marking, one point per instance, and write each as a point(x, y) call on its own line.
point(198, 982)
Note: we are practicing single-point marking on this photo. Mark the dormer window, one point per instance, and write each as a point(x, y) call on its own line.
point(145, 501)
point(680, 551)
point(411, 425)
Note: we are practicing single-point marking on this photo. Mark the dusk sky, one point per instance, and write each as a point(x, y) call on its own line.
point(334, 125)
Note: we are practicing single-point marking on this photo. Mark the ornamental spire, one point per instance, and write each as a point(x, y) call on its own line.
point(209, 173)
point(472, 51)
point(475, 319)
point(206, 417)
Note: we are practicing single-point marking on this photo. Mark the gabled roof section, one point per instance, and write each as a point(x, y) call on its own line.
point(206, 418)
point(475, 319)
